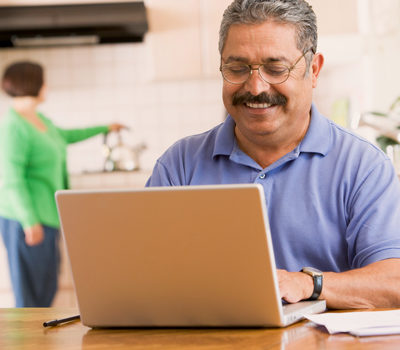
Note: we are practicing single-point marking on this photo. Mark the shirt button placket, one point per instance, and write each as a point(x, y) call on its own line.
point(262, 176)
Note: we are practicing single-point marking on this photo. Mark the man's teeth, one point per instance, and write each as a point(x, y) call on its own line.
point(258, 105)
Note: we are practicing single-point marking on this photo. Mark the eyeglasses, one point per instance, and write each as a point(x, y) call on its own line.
point(273, 72)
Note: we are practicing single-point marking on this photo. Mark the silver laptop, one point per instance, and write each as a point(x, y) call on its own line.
point(193, 256)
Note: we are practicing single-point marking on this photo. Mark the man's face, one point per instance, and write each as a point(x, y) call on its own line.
point(288, 115)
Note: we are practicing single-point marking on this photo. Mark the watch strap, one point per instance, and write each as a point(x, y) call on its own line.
point(317, 280)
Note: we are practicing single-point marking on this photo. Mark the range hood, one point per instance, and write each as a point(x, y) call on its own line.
point(76, 24)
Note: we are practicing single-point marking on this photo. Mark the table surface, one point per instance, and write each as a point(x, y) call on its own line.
point(22, 329)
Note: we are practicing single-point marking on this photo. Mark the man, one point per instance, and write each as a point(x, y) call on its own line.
point(333, 198)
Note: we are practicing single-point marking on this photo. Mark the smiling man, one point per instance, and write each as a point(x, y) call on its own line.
point(271, 111)
point(333, 198)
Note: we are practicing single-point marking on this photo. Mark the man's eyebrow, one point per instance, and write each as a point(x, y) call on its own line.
point(279, 59)
point(241, 59)
point(231, 59)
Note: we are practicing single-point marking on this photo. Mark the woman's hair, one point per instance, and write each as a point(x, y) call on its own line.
point(296, 12)
point(23, 79)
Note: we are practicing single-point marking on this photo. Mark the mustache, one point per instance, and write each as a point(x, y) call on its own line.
point(247, 97)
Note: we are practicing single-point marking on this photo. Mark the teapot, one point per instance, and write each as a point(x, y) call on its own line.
point(121, 157)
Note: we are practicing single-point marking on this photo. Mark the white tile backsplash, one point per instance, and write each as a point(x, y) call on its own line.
point(115, 83)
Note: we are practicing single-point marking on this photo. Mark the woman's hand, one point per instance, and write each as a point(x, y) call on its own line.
point(116, 127)
point(34, 235)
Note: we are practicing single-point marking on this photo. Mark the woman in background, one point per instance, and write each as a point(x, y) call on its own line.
point(33, 167)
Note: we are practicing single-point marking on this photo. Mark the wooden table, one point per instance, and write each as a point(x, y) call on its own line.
point(22, 329)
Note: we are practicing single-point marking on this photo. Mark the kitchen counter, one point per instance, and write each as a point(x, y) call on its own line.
point(106, 180)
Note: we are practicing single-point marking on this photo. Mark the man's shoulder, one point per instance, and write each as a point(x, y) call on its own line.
point(350, 139)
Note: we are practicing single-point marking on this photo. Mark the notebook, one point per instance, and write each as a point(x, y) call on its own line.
point(190, 256)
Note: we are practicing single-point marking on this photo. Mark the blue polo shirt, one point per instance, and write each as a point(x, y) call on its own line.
point(333, 202)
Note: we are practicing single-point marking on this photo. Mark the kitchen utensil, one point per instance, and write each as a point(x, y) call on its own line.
point(121, 157)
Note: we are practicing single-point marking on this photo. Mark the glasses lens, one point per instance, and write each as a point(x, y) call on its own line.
point(274, 73)
point(235, 73)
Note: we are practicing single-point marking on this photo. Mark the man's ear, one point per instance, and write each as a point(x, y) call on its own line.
point(316, 65)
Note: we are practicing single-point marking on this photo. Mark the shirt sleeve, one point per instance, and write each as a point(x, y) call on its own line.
point(14, 148)
point(76, 135)
point(373, 232)
point(160, 176)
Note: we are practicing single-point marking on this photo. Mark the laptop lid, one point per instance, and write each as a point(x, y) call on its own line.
point(171, 256)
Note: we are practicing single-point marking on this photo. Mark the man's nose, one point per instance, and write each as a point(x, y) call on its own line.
point(255, 84)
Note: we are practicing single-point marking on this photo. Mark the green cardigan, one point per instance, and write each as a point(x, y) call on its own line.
point(33, 167)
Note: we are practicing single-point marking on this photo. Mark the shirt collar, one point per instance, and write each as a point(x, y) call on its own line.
point(225, 138)
point(318, 138)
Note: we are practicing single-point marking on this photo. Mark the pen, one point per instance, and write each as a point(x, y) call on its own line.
point(61, 320)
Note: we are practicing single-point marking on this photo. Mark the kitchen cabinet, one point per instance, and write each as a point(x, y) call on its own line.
point(53, 2)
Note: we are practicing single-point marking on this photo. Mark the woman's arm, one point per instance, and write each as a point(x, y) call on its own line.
point(76, 135)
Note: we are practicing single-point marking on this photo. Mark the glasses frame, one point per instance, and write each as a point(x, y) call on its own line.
point(251, 67)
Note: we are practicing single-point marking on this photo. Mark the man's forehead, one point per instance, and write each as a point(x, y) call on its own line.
point(270, 41)
point(268, 28)
point(247, 60)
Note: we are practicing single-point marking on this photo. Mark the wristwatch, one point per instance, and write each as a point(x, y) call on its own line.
point(317, 277)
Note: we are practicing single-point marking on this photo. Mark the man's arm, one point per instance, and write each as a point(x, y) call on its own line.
point(372, 286)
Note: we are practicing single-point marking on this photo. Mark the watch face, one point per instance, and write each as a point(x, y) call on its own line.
point(312, 270)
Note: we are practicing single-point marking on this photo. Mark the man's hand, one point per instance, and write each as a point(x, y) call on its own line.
point(295, 286)
point(371, 286)
point(34, 235)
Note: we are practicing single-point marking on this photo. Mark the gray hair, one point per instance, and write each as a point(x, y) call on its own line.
point(296, 12)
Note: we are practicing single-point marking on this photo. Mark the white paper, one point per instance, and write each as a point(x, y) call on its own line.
point(364, 323)
point(375, 331)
